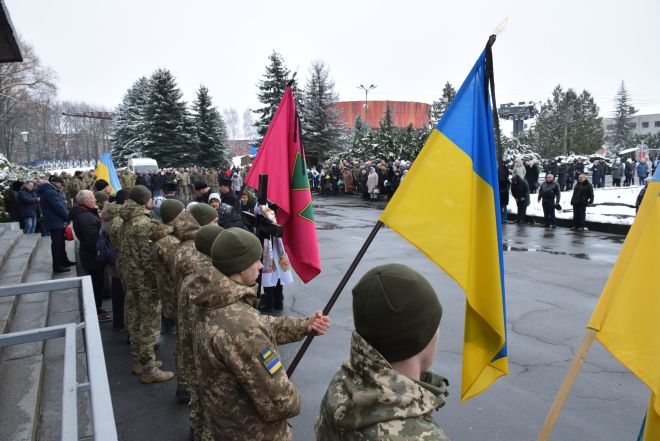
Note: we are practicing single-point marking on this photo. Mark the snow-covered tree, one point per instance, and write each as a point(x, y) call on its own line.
point(271, 89)
point(210, 132)
point(571, 118)
point(620, 136)
point(168, 129)
point(233, 123)
point(321, 126)
point(249, 131)
point(128, 124)
point(439, 107)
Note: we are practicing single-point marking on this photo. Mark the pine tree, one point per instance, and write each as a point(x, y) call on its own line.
point(620, 136)
point(571, 118)
point(210, 132)
point(439, 107)
point(271, 89)
point(168, 134)
point(385, 138)
point(320, 118)
point(128, 124)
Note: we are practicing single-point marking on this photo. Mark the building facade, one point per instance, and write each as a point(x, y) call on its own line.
point(403, 113)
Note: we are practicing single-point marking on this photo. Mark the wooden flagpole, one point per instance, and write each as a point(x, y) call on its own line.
point(567, 384)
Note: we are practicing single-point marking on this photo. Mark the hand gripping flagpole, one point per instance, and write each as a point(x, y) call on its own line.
point(374, 231)
point(335, 296)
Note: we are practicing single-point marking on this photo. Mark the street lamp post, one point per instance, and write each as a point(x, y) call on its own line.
point(366, 99)
point(27, 148)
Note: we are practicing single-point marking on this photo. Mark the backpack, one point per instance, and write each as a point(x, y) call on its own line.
point(104, 251)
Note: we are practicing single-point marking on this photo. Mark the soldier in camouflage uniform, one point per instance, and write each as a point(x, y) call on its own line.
point(127, 179)
point(185, 226)
point(245, 392)
point(136, 266)
point(73, 186)
point(197, 274)
point(383, 391)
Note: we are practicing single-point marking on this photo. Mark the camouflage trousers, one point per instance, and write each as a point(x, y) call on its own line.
point(197, 417)
point(142, 313)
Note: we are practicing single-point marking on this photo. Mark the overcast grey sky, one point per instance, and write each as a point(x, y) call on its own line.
point(409, 49)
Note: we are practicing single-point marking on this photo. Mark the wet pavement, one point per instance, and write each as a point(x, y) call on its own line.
point(553, 279)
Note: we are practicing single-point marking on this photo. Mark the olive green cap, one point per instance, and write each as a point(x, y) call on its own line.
point(139, 194)
point(235, 250)
point(205, 236)
point(203, 213)
point(170, 209)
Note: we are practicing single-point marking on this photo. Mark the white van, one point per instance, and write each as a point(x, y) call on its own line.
point(136, 165)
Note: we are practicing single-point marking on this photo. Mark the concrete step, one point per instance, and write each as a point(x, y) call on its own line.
point(22, 366)
point(14, 270)
point(7, 242)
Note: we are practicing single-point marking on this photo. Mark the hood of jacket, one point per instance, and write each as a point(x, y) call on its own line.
point(110, 211)
point(79, 209)
point(184, 226)
point(368, 391)
point(132, 209)
point(160, 231)
point(223, 292)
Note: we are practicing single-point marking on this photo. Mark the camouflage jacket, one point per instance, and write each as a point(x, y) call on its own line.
point(73, 186)
point(198, 275)
point(368, 400)
point(136, 251)
point(245, 392)
point(164, 245)
point(111, 223)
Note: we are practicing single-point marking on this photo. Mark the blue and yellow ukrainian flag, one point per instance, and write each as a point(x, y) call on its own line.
point(106, 170)
point(626, 315)
point(448, 207)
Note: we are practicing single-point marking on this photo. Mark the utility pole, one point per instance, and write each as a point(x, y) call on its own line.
point(568, 117)
point(366, 99)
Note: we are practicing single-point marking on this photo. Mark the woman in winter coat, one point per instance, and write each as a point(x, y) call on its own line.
point(617, 173)
point(363, 184)
point(629, 172)
point(372, 184)
point(642, 171)
point(597, 174)
point(519, 169)
point(28, 206)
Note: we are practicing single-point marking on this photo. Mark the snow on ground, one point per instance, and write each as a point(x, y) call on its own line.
point(612, 205)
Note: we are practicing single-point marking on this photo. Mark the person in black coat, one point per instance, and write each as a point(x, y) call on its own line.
point(579, 168)
point(520, 192)
point(562, 172)
point(583, 195)
point(552, 168)
point(532, 176)
point(28, 204)
point(87, 226)
point(12, 205)
point(548, 192)
point(55, 218)
point(570, 175)
point(505, 185)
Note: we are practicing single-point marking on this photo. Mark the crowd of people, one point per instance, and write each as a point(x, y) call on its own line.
point(185, 255)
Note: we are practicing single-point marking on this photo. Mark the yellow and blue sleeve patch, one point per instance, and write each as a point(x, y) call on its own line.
point(270, 361)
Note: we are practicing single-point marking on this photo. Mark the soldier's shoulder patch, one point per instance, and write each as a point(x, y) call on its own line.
point(270, 360)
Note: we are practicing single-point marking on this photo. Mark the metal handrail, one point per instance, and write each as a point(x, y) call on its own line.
point(103, 418)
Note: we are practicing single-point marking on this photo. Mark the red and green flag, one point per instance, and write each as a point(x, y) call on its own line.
point(282, 158)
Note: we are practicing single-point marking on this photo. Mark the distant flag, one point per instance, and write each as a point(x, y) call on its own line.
point(448, 207)
point(282, 158)
point(626, 315)
point(106, 170)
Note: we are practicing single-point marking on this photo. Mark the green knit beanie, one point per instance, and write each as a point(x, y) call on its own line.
point(203, 213)
point(170, 209)
point(396, 310)
point(205, 236)
point(234, 250)
point(101, 196)
point(139, 194)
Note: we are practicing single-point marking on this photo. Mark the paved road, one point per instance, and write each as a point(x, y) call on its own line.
point(553, 279)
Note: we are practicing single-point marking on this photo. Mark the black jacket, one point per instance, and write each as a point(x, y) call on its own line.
point(583, 194)
point(520, 191)
point(549, 190)
point(86, 225)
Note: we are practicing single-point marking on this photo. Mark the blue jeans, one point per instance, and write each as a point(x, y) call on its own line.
point(30, 224)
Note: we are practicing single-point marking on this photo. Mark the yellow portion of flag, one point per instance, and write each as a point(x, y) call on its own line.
point(627, 315)
point(652, 426)
point(448, 212)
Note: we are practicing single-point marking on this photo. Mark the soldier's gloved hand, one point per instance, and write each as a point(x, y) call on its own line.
point(318, 323)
